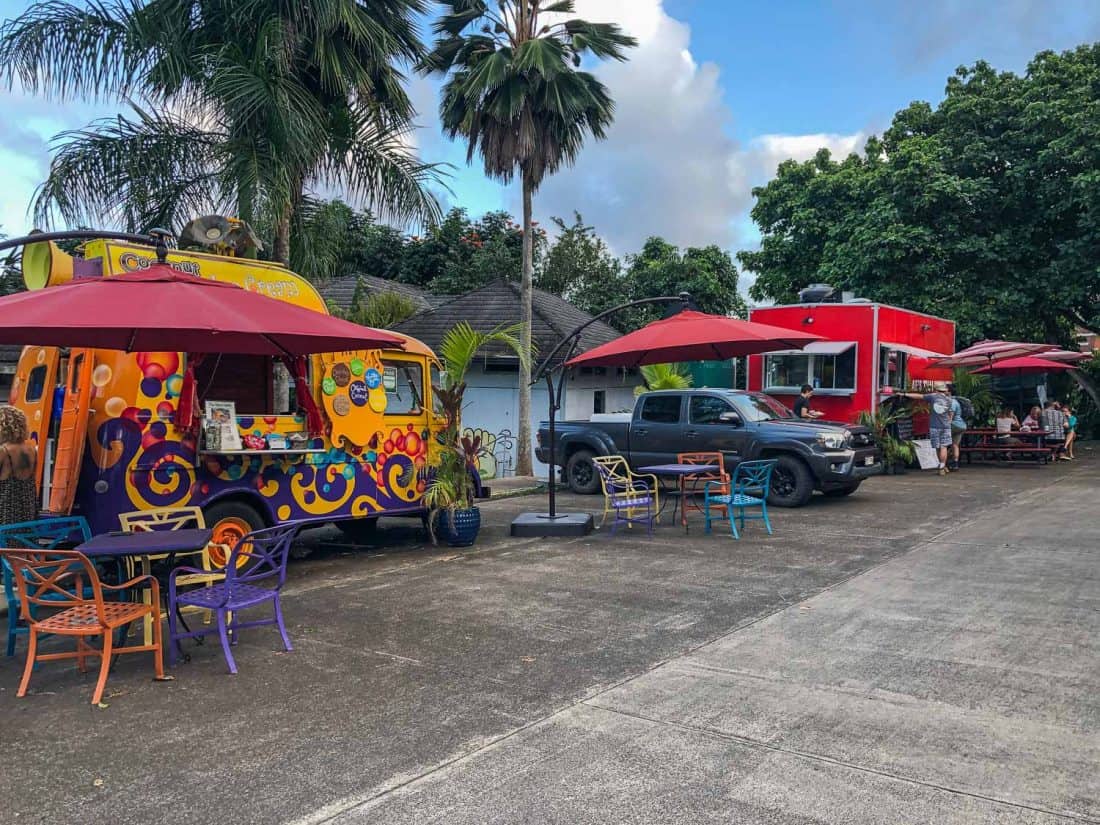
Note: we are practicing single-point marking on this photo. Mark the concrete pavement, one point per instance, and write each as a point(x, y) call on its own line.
point(922, 652)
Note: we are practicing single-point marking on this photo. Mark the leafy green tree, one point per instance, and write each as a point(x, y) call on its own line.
point(984, 209)
point(237, 105)
point(515, 93)
point(660, 268)
point(578, 262)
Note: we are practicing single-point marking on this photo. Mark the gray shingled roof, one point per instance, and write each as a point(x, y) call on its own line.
point(340, 290)
point(498, 303)
point(9, 357)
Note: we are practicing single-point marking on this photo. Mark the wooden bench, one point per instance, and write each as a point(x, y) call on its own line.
point(1041, 455)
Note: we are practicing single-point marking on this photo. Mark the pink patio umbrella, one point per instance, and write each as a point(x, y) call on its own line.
point(987, 353)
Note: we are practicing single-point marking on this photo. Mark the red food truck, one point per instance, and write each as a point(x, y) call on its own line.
point(870, 351)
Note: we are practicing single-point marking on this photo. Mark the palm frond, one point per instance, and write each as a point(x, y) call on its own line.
point(147, 171)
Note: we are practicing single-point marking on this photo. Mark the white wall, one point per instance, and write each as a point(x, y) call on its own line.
point(492, 403)
point(580, 389)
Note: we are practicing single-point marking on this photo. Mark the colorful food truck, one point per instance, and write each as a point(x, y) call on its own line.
point(105, 421)
point(870, 351)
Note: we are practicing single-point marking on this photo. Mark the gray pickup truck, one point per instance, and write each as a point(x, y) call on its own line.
point(812, 455)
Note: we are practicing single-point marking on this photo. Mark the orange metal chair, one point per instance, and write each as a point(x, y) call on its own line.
point(690, 485)
point(56, 580)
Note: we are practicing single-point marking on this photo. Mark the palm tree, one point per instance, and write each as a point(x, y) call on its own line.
point(234, 104)
point(517, 97)
point(451, 485)
point(664, 377)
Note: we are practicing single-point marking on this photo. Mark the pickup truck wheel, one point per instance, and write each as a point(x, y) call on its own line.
point(792, 484)
point(580, 473)
point(840, 492)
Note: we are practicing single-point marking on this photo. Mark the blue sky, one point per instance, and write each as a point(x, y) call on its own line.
point(717, 94)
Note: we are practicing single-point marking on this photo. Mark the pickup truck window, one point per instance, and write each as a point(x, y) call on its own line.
point(706, 409)
point(661, 409)
point(756, 407)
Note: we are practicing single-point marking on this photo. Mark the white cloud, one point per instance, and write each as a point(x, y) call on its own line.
point(669, 166)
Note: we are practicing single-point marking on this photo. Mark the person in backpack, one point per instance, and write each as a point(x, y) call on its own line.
point(959, 420)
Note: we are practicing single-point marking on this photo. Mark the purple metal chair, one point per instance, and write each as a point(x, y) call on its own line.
point(254, 576)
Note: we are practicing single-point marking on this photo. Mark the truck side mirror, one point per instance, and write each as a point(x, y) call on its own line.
point(731, 418)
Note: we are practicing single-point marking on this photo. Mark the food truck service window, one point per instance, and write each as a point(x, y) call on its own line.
point(827, 366)
point(404, 385)
point(893, 368)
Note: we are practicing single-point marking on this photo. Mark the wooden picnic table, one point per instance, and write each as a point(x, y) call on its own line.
point(989, 442)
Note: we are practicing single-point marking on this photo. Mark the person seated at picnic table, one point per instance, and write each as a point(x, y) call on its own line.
point(1053, 420)
point(1006, 421)
point(1031, 420)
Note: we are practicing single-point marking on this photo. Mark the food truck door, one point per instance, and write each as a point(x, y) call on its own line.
point(73, 432)
point(32, 391)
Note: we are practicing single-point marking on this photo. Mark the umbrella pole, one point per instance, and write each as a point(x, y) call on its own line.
point(570, 524)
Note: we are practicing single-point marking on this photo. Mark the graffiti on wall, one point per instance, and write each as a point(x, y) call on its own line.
point(493, 452)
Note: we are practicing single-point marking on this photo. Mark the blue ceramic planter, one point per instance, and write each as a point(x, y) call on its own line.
point(459, 529)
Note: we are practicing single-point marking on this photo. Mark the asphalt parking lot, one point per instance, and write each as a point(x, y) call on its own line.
point(925, 651)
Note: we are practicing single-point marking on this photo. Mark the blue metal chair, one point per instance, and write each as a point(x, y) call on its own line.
point(43, 534)
point(748, 488)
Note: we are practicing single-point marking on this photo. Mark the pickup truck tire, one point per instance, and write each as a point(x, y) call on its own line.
point(580, 473)
point(840, 492)
point(792, 485)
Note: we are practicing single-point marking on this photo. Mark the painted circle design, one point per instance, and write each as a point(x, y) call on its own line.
point(358, 393)
point(328, 386)
point(101, 375)
point(373, 379)
point(357, 366)
point(341, 405)
point(341, 374)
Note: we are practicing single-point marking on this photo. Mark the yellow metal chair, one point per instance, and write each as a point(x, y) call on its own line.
point(627, 493)
point(176, 518)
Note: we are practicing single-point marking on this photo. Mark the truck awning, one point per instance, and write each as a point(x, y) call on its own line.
point(911, 350)
point(818, 348)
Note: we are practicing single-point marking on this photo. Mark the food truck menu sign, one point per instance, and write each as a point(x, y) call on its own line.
point(353, 396)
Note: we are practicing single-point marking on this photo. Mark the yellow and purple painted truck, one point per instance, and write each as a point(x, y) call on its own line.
point(103, 419)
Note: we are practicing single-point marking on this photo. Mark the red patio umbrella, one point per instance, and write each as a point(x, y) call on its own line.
point(1026, 365)
point(989, 352)
point(693, 336)
point(162, 309)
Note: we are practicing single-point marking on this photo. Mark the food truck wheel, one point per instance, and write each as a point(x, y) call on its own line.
point(580, 473)
point(792, 484)
point(230, 521)
point(839, 492)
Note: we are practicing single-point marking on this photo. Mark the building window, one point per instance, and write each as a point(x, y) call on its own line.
point(599, 402)
point(831, 367)
point(893, 368)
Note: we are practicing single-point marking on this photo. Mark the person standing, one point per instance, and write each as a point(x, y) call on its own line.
point(958, 426)
point(802, 407)
point(940, 414)
point(18, 459)
point(1071, 432)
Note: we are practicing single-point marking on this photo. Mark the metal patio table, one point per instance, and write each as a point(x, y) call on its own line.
point(678, 473)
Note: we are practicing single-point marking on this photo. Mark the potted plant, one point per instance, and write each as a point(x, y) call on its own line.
point(451, 487)
point(896, 453)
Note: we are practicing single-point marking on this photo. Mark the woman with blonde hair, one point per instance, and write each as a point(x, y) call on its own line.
point(18, 457)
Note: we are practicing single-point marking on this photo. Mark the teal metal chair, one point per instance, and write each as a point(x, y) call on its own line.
point(748, 488)
point(43, 534)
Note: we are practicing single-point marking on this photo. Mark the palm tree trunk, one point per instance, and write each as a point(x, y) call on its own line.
point(524, 466)
point(281, 250)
